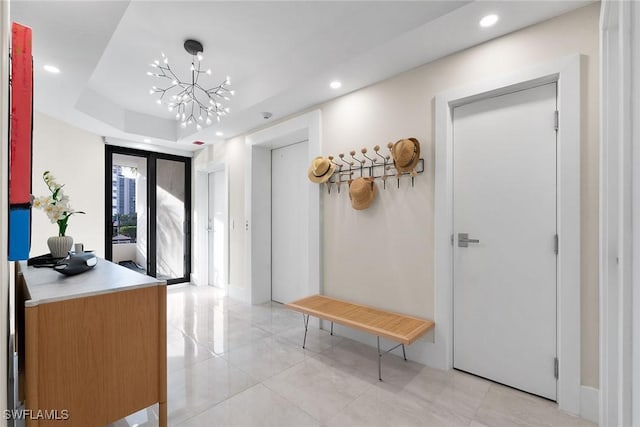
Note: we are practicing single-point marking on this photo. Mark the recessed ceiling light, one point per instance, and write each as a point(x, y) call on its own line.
point(52, 69)
point(219, 133)
point(489, 20)
point(146, 140)
point(335, 84)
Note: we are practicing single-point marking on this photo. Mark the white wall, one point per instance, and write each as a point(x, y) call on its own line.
point(199, 221)
point(619, 223)
point(5, 279)
point(383, 256)
point(124, 252)
point(76, 158)
point(259, 242)
point(232, 153)
point(635, 119)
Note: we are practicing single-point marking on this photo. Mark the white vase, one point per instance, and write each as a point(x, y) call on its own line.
point(60, 245)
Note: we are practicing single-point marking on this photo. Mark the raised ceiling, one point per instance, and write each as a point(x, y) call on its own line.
point(281, 55)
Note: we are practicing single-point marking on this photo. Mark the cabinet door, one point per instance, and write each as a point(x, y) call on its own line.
point(97, 357)
point(65, 360)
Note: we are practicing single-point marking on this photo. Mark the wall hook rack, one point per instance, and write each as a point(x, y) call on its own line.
point(378, 166)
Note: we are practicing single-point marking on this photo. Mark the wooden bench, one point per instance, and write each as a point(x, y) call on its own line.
point(396, 327)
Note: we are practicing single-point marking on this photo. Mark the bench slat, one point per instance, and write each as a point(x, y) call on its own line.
point(396, 327)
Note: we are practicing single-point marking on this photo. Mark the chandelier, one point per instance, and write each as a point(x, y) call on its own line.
point(192, 103)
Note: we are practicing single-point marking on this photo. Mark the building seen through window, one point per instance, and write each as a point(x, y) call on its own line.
point(124, 217)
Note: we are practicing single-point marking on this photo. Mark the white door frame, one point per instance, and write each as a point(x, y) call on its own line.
point(566, 72)
point(258, 203)
point(619, 207)
point(200, 267)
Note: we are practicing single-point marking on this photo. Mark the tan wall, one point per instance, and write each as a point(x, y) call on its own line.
point(76, 158)
point(384, 256)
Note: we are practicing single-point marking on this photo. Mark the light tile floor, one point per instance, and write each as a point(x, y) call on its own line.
point(233, 364)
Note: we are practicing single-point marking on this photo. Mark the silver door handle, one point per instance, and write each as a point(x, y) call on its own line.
point(209, 229)
point(464, 240)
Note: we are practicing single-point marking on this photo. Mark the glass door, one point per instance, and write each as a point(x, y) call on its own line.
point(148, 206)
point(171, 224)
point(129, 212)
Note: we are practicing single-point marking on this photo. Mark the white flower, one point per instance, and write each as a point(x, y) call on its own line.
point(56, 206)
point(63, 205)
point(37, 203)
point(59, 212)
point(51, 213)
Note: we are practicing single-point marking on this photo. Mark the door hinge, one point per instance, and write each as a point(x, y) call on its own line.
point(452, 240)
point(556, 244)
point(556, 119)
point(556, 368)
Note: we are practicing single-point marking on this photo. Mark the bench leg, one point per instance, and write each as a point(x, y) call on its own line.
point(306, 327)
point(331, 328)
point(379, 361)
point(404, 353)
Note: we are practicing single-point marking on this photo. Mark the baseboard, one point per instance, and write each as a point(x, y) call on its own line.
point(589, 403)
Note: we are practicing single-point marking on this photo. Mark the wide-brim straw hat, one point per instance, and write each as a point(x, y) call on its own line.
point(321, 170)
point(406, 154)
point(362, 192)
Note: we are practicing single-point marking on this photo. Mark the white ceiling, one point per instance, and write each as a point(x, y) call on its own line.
point(280, 55)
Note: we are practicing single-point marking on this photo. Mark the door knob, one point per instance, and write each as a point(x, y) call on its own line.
point(464, 240)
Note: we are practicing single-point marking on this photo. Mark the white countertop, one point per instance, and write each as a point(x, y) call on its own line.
point(45, 285)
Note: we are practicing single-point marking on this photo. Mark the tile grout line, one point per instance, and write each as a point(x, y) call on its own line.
point(285, 398)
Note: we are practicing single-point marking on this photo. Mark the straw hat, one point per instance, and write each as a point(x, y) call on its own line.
point(362, 191)
point(321, 170)
point(406, 154)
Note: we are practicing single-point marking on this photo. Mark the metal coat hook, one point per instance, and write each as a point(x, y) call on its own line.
point(390, 147)
point(333, 161)
point(347, 162)
point(385, 176)
point(353, 156)
point(377, 150)
point(384, 165)
point(364, 153)
point(329, 182)
point(341, 173)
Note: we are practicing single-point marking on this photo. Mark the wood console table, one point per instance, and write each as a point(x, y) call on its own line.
point(93, 345)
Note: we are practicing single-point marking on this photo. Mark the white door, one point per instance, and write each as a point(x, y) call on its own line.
point(217, 228)
point(504, 195)
point(289, 222)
